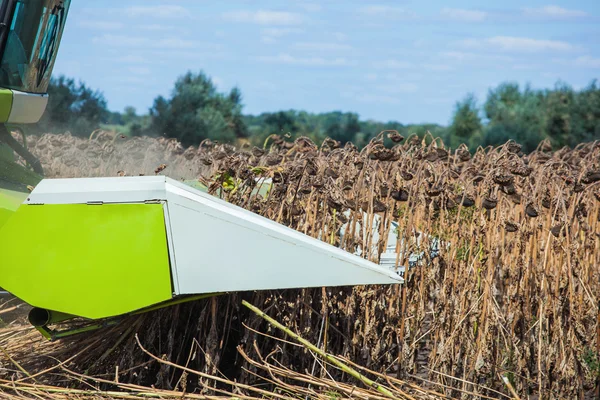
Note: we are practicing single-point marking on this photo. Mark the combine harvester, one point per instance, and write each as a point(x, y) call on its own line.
point(104, 248)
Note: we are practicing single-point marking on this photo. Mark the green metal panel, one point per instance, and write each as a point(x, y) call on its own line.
point(6, 100)
point(93, 261)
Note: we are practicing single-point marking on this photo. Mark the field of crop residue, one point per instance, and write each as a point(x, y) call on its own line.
point(501, 300)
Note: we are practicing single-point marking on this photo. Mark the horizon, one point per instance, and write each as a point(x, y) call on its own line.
point(320, 58)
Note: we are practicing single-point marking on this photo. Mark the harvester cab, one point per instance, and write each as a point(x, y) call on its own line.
point(103, 248)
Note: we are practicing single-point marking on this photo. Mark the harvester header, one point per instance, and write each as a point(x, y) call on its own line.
point(105, 247)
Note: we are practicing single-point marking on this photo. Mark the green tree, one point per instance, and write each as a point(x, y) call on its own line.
point(559, 115)
point(587, 112)
point(502, 103)
point(342, 127)
point(196, 111)
point(516, 115)
point(282, 122)
point(73, 107)
point(129, 115)
point(466, 124)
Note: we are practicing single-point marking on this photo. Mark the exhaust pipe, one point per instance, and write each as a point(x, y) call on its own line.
point(40, 317)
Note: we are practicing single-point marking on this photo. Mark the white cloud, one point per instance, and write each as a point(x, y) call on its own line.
point(392, 64)
point(158, 11)
point(462, 56)
point(524, 67)
point(587, 62)
point(458, 55)
point(265, 87)
point(130, 79)
point(322, 46)
point(121, 40)
point(280, 32)
point(140, 70)
point(175, 43)
point(340, 36)
point(164, 55)
point(554, 12)
point(401, 87)
point(386, 11)
point(551, 75)
point(271, 35)
point(218, 82)
point(132, 59)
point(517, 44)
point(464, 15)
point(264, 17)
point(100, 25)
point(69, 67)
point(156, 27)
point(368, 97)
point(285, 58)
point(528, 44)
point(419, 43)
point(439, 100)
point(143, 42)
point(311, 7)
point(437, 67)
point(405, 76)
point(268, 39)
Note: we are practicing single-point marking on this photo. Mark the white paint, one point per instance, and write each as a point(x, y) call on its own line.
point(129, 189)
point(27, 108)
point(214, 239)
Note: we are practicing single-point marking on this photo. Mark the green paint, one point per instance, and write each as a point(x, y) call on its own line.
point(6, 100)
point(93, 261)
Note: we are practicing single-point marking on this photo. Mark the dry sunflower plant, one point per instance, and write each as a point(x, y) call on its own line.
point(506, 305)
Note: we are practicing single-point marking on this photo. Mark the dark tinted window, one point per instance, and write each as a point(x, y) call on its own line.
point(32, 44)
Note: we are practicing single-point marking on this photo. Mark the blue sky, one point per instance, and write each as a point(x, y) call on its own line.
point(408, 61)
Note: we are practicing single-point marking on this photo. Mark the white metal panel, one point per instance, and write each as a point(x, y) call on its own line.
point(129, 189)
point(222, 247)
point(27, 108)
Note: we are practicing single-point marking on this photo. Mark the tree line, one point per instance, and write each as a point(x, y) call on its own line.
point(196, 110)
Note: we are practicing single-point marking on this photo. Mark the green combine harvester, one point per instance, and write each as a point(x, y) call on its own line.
point(93, 250)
